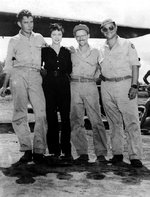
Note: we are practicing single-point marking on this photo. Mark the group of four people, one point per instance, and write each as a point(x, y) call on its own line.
point(70, 88)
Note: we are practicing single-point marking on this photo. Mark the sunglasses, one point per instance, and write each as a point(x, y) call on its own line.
point(111, 28)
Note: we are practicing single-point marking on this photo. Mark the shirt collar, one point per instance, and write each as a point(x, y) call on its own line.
point(89, 49)
point(22, 36)
point(118, 42)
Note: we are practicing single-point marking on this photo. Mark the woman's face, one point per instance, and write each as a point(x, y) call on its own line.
point(56, 37)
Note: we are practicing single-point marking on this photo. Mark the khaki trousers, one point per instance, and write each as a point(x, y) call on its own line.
point(26, 87)
point(122, 114)
point(85, 96)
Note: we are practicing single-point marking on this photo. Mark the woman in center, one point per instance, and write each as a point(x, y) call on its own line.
point(56, 60)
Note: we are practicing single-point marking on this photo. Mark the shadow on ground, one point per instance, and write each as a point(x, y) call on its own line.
point(26, 173)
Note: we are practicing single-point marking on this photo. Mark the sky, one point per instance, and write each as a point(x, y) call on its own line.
point(127, 12)
point(134, 13)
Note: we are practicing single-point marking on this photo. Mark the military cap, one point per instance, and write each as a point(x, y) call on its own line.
point(107, 21)
point(80, 27)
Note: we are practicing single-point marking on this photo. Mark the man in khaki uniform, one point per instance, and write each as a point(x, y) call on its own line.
point(22, 67)
point(85, 96)
point(120, 70)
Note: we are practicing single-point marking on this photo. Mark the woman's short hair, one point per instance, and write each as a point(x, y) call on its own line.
point(56, 26)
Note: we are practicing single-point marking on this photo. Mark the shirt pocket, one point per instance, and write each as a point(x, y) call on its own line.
point(37, 44)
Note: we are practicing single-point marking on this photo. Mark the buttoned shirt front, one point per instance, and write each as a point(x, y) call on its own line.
point(85, 65)
point(57, 62)
point(24, 52)
point(118, 61)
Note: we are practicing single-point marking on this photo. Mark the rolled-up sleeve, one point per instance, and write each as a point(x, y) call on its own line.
point(133, 56)
point(10, 56)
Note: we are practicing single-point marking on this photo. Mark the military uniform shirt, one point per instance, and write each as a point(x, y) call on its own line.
point(118, 61)
point(23, 51)
point(85, 65)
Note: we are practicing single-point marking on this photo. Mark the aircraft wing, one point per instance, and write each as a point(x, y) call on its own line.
point(8, 26)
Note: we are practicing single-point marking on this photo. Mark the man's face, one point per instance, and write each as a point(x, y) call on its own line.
point(26, 24)
point(109, 30)
point(56, 36)
point(82, 37)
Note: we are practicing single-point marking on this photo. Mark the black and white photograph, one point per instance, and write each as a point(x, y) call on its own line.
point(74, 98)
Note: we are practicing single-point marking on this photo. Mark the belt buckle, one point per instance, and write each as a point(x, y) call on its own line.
point(83, 80)
point(118, 79)
point(80, 79)
point(32, 69)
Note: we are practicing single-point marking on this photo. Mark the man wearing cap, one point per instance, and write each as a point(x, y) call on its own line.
point(84, 96)
point(120, 70)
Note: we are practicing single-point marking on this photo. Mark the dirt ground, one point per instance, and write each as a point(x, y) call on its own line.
point(92, 180)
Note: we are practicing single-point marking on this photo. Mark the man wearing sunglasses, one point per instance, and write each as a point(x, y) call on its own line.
point(119, 73)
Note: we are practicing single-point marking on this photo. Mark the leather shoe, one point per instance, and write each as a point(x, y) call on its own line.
point(136, 163)
point(27, 157)
point(39, 158)
point(66, 159)
point(101, 159)
point(53, 160)
point(116, 159)
point(83, 159)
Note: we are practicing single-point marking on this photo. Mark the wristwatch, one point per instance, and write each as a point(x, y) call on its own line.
point(134, 86)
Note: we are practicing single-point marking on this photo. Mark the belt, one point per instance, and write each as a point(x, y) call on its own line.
point(34, 69)
point(81, 79)
point(56, 73)
point(28, 68)
point(115, 79)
